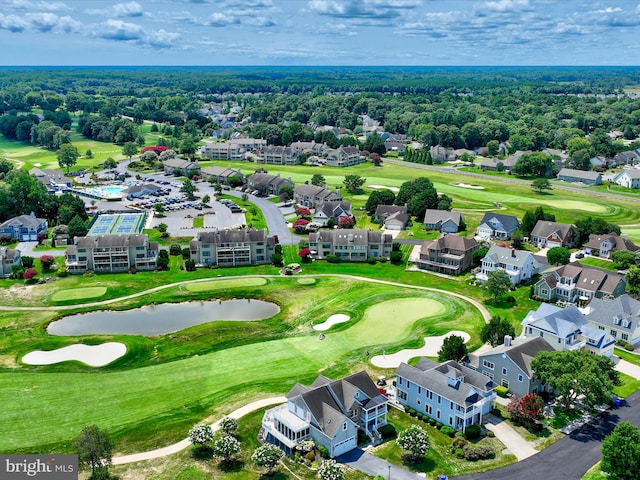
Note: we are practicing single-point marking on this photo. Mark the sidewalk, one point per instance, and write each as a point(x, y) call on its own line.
point(511, 439)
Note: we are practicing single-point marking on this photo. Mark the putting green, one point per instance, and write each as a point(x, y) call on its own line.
point(78, 293)
point(306, 281)
point(568, 204)
point(230, 283)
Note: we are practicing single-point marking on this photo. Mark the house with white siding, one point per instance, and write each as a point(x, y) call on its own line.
point(520, 265)
point(8, 258)
point(629, 177)
point(618, 316)
point(353, 245)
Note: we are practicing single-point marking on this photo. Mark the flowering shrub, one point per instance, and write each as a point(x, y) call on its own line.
point(201, 434)
point(46, 261)
point(300, 225)
point(415, 440)
point(228, 425)
point(330, 470)
point(29, 273)
point(346, 222)
point(158, 149)
point(267, 456)
point(225, 447)
point(303, 211)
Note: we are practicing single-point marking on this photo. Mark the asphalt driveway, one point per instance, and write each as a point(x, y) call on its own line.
point(371, 465)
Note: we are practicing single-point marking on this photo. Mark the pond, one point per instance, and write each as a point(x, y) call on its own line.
point(161, 319)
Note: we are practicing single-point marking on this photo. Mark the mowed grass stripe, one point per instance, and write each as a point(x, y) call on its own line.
point(78, 293)
point(120, 401)
point(230, 283)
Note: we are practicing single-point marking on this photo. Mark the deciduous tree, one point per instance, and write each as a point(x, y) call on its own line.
point(415, 440)
point(201, 434)
point(495, 331)
point(67, 156)
point(224, 447)
point(353, 183)
point(558, 256)
point(267, 456)
point(95, 450)
point(497, 284)
point(453, 348)
point(621, 452)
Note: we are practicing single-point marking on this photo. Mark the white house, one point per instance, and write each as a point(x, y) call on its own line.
point(629, 177)
point(520, 265)
point(618, 316)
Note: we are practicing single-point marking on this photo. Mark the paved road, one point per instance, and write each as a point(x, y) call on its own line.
point(571, 457)
point(367, 463)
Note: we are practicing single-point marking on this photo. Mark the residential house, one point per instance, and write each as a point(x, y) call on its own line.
point(496, 225)
point(448, 392)
point(629, 177)
point(267, 184)
point(598, 162)
point(52, 179)
point(392, 146)
point(221, 174)
point(392, 217)
point(440, 154)
point(307, 195)
point(552, 234)
point(329, 412)
point(450, 254)
point(604, 245)
point(509, 364)
point(8, 258)
point(232, 247)
point(24, 228)
point(493, 164)
point(520, 265)
point(354, 245)
point(575, 282)
point(312, 147)
point(111, 253)
point(619, 316)
point(186, 167)
point(442, 220)
point(333, 211)
point(276, 155)
point(566, 329)
point(580, 176)
point(630, 157)
point(344, 157)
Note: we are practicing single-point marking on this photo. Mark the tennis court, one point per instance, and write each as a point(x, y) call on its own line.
point(118, 224)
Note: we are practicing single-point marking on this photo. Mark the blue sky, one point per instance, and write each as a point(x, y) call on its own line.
point(320, 32)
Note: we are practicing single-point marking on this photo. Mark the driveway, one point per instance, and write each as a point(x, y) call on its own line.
point(573, 455)
point(367, 463)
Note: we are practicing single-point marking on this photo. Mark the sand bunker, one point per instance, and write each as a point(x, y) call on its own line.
point(466, 185)
point(381, 187)
point(331, 321)
point(92, 355)
point(430, 349)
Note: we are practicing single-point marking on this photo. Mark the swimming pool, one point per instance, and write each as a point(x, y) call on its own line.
point(105, 192)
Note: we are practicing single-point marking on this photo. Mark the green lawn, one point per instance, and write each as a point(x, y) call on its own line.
point(78, 294)
point(253, 214)
point(629, 385)
point(598, 263)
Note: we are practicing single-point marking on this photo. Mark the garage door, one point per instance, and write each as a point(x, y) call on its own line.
point(344, 446)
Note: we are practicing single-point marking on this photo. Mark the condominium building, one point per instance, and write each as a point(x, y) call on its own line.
point(228, 248)
point(111, 253)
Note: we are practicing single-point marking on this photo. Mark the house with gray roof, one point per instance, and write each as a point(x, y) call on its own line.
point(520, 265)
point(232, 247)
point(186, 167)
point(392, 217)
point(442, 220)
point(578, 283)
point(567, 329)
point(509, 364)
point(619, 316)
point(605, 245)
point(221, 174)
point(137, 191)
point(552, 234)
point(9, 258)
point(494, 164)
point(580, 176)
point(440, 154)
point(629, 157)
point(333, 211)
point(111, 253)
point(278, 155)
point(448, 392)
point(344, 157)
point(330, 412)
point(307, 195)
point(496, 225)
point(24, 228)
point(52, 179)
point(267, 184)
point(353, 245)
point(449, 254)
point(629, 178)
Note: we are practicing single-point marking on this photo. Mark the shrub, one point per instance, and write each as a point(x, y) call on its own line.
point(412, 412)
point(481, 452)
point(47, 262)
point(27, 262)
point(501, 391)
point(624, 344)
point(322, 450)
point(175, 249)
point(459, 453)
point(382, 259)
point(372, 260)
point(396, 257)
point(447, 430)
point(432, 422)
point(310, 456)
point(472, 432)
point(490, 434)
point(62, 274)
point(439, 425)
point(228, 425)
point(333, 259)
point(458, 442)
point(387, 431)
point(190, 265)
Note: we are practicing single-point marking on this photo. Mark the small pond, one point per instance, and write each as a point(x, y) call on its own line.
point(161, 319)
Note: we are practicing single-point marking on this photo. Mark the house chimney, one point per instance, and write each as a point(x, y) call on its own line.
point(513, 253)
point(507, 340)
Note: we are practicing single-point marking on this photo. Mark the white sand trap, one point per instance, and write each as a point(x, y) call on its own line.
point(92, 355)
point(331, 321)
point(466, 185)
point(430, 349)
point(380, 187)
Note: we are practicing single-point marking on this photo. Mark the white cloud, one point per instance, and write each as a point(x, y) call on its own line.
point(119, 30)
point(161, 39)
point(39, 5)
point(505, 5)
point(41, 22)
point(131, 9)
point(218, 19)
point(13, 23)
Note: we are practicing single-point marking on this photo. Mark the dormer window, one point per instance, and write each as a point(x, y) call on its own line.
point(616, 320)
point(344, 426)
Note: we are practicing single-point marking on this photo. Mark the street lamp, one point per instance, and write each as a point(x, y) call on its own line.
point(389, 475)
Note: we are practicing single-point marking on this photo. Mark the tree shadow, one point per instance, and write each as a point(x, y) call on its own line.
point(275, 475)
point(421, 464)
point(202, 453)
point(231, 466)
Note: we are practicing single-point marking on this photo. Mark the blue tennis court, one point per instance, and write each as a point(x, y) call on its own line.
point(119, 224)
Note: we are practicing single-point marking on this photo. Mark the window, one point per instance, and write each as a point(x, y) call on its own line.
point(418, 402)
point(450, 420)
point(625, 337)
point(419, 390)
point(438, 414)
point(559, 340)
point(451, 405)
point(520, 378)
point(505, 383)
point(439, 399)
point(402, 395)
point(614, 334)
point(488, 364)
point(399, 380)
point(344, 426)
point(504, 371)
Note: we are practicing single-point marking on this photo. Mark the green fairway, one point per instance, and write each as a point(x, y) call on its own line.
point(306, 280)
point(230, 283)
point(78, 294)
point(137, 403)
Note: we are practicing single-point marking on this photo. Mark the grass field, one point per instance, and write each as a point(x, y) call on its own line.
point(78, 294)
point(146, 400)
point(220, 284)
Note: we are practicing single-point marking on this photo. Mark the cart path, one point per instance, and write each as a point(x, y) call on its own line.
point(485, 313)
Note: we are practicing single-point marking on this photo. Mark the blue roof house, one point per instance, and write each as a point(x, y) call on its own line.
point(24, 228)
